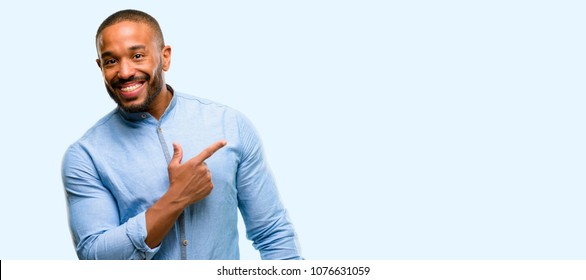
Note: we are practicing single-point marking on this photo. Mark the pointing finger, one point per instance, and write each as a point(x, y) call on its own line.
point(209, 151)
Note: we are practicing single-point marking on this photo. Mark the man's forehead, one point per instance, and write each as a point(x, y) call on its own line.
point(124, 32)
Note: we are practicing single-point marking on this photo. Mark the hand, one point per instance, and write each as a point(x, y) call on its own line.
point(191, 181)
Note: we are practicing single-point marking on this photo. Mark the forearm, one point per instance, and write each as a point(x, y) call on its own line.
point(161, 217)
point(137, 238)
point(102, 241)
point(274, 237)
point(113, 244)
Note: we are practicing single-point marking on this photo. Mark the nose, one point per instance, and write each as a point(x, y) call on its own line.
point(126, 70)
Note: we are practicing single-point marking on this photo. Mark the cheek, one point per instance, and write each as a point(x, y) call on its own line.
point(153, 73)
point(108, 75)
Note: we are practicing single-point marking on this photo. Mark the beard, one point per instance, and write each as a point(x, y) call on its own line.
point(153, 90)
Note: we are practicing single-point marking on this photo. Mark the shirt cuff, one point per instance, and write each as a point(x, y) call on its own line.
point(136, 231)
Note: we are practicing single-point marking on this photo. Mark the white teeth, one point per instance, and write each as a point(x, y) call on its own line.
point(130, 88)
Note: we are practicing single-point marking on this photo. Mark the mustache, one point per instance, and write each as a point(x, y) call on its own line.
point(118, 82)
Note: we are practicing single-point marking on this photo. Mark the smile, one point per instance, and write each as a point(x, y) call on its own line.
point(130, 88)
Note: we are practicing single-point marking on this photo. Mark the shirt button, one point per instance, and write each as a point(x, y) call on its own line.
point(185, 242)
point(143, 115)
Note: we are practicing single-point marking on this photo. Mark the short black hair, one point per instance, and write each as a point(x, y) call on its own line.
point(134, 16)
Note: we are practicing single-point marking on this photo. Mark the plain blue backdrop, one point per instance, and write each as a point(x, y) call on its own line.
point(395, 129)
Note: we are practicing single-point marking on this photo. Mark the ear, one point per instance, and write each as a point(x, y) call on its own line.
point(166, 58)
point(99, 63)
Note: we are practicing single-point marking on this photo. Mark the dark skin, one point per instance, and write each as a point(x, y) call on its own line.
point(132, 60)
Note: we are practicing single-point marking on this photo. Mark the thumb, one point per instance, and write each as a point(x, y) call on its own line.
point(177, 154)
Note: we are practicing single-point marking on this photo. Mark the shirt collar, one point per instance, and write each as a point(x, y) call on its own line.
point(145, 115)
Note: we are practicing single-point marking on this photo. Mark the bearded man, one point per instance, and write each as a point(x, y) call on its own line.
point(164, 174)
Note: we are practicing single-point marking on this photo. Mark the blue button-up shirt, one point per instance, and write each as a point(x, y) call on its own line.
point(118, 169)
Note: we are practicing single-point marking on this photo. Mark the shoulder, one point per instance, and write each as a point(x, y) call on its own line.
point(188, 100)
point(96, 132)
point(210, 108)
point(234, 124)
point(109, 119)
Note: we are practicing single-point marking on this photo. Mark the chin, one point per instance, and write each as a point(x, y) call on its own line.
point(131, 106)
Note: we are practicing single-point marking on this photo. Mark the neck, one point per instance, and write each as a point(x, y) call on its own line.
point(161, 103)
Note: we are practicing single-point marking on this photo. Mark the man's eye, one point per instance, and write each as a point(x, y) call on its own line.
point(138, 56)
point(109, 61)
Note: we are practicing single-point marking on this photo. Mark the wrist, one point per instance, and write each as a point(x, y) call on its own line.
point(173, 201)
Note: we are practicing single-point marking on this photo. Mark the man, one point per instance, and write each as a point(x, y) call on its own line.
point(163, 175)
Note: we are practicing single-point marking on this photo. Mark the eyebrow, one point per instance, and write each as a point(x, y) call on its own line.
point(137, 47)
point(133, 48)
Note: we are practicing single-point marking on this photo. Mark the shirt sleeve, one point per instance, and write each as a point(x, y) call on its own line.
point(94, 219)
point(267, 224)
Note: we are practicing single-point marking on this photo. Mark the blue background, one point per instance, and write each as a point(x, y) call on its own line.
point(395, 129)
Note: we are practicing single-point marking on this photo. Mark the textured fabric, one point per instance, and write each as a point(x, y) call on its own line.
point(118, 169)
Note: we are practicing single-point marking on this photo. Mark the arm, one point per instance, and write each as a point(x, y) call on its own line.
point(266, 220)
point(93, 212)
point(189, 183)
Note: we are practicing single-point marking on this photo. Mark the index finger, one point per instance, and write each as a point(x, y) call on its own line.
point(209, 151)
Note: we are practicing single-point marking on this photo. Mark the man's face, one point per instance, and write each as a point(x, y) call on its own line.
point(132, 63)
